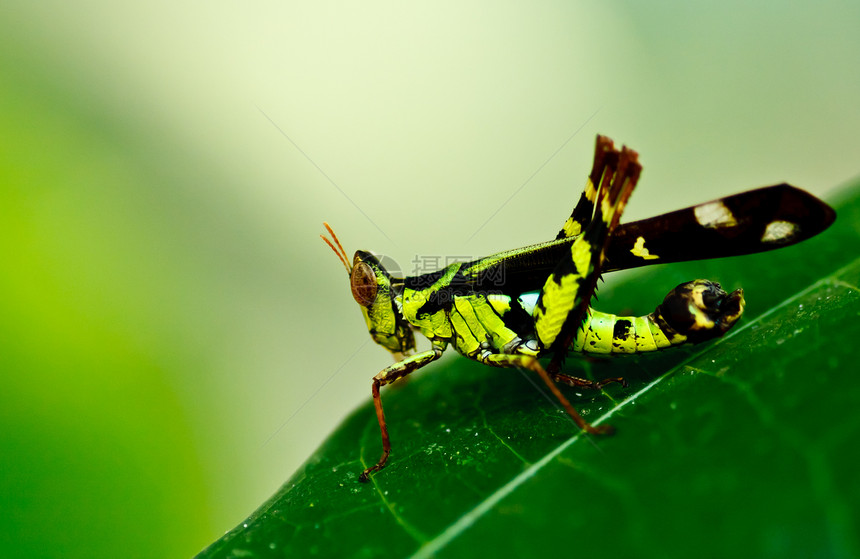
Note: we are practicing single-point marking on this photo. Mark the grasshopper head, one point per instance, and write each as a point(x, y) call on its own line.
point(371, 287)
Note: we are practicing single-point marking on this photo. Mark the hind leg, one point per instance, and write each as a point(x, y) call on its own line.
point(564, 301)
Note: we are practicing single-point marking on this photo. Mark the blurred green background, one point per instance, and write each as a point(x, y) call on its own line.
point(174, 337)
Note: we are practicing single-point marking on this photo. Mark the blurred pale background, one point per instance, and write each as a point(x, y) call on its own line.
point(174, 337)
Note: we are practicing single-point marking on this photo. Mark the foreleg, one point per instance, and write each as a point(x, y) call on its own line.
point(387, 376)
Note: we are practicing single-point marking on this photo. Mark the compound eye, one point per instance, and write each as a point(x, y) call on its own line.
point(363, 283)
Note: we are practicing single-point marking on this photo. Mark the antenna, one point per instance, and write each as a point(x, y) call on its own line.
point(341, 254)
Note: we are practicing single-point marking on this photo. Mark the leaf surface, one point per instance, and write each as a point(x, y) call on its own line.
point(745, 446)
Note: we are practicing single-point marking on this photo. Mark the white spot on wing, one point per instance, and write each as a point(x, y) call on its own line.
point(779, 232)
point(714, 215)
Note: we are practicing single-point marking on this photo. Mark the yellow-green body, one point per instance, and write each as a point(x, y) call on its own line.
point(482, 308)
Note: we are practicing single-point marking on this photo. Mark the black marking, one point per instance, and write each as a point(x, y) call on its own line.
point(424, 280)
point(581, 214)
point(702, 317)
point(675, 309)
point(443, 298)
point(622, 330)
point(565, 267)
point(519, 321)
point(515, 318)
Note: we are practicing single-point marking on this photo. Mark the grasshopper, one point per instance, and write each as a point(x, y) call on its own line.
point(479, 307)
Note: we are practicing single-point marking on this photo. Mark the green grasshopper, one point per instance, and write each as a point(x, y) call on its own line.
point(479, 306)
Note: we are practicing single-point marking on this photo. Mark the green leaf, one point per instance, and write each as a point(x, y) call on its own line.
point(745, 446)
